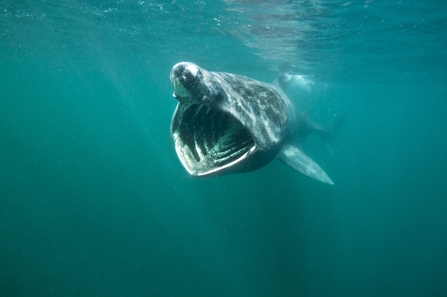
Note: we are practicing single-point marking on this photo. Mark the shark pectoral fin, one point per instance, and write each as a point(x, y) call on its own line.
point(298, 160)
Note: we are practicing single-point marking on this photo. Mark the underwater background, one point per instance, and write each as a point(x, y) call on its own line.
point(94, 201)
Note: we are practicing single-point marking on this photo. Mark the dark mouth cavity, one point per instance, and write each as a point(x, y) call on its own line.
point(213, 135)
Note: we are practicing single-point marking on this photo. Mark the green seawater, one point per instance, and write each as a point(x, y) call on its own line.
point(94, 201)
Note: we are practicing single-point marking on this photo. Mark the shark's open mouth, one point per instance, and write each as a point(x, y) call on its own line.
point(208, 140)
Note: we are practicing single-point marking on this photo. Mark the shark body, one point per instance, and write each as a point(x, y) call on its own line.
point(226, 123)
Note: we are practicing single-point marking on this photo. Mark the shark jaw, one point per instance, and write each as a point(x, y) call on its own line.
point(208, 141)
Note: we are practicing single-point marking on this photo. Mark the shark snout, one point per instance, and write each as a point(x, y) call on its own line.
point(187, 81)
point(185, 72)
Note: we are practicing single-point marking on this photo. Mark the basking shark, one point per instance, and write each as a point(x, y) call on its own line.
point(226, 123)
